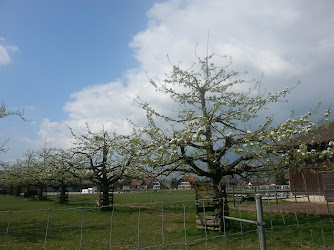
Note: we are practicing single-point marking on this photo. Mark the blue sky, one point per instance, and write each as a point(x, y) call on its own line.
point(59, 47)
point(70, 62)
point(64, 46)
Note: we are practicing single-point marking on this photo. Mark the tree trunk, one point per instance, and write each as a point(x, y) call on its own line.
point(17, 190)
point(62, 194)
point(12, 190)
point(221, 205)
point(40, 193)
point(105, 197)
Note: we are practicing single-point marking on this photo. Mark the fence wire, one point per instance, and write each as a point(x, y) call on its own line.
point(309, 224)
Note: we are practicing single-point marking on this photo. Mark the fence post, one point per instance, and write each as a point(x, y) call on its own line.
point(233, 197)
point(260, 222)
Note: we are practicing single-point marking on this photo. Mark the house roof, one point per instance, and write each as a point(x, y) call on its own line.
point(190, 179)
point(148, 181)
point(135, 183)
point(322, 134)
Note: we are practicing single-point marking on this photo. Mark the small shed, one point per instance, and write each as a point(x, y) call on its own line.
point(310, 182)
point(316, 178)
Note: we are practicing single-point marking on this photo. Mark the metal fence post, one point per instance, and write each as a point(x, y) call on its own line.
point(260, 222)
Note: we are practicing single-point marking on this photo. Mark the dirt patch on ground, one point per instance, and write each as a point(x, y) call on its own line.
point(301, 207)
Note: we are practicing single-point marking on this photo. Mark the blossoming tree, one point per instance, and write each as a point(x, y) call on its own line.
point(4, 113)
point(26, 172)
point(106, 157)
point(61, 169)
point(213, 131)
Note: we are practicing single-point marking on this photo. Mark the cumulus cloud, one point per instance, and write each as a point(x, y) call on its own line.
point(4, 57)
point(285, 40)
point(4, 52)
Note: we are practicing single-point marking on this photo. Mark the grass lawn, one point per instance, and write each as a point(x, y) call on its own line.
point(158, 223)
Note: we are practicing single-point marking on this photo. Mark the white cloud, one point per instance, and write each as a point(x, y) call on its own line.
point(4, 52)
point(12, 48)
point(4, 57)
point(55, 134)
point(286, 40)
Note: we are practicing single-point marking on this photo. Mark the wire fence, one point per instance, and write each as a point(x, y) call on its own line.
point(273, 192)
point(169, 224)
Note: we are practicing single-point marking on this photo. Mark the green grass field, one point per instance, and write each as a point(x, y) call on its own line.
point(158, 223)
